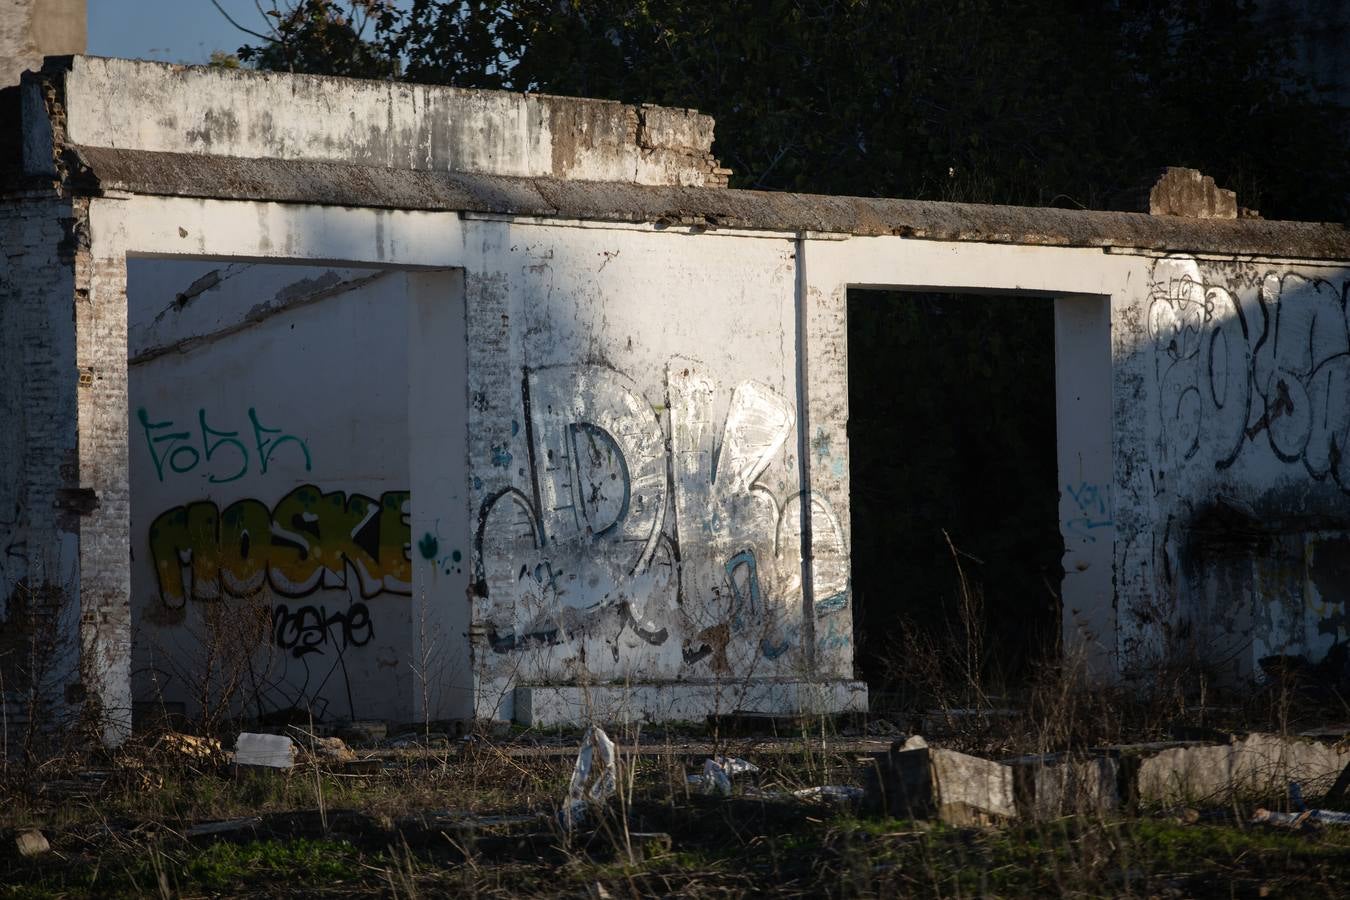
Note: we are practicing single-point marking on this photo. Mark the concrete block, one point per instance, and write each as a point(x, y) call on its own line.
point(957, 788)
point(553, 705)
point(271, 750)
point(1265, 764)
point(969, 790)
point(1196, 774)
point(31, 843)
point(1059, 785)
point(1255, 767)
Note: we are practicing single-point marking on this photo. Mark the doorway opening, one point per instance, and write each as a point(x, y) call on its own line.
point(956, 544)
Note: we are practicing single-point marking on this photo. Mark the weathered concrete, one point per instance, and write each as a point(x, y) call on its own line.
point(971, 790)
point(32, 29)
point(916, 780)
point(300, 181)
point(618, 408)
point(1055, 785)
point(263, 115)
point(552, 705)
point(1188, 193)
point(1259, 766)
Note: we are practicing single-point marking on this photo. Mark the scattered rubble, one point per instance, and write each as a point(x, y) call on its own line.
point(717, 773)
point(1307, 818)
point(914, 780)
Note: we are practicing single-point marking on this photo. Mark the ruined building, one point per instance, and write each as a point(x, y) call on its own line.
point(390, 401)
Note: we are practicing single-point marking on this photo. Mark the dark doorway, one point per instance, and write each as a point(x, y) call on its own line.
point(953, 457)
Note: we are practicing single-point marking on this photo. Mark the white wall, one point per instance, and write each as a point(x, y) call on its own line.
point(270, 482)
point(239, 112)
point(609, 366)
point(634, 437)
point(1243, 550)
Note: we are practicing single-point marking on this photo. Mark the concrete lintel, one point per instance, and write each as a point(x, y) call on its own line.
point(552, 705)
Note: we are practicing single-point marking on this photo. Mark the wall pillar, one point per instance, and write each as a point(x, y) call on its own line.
point(440, 518)
point(102, 497)
point(1083, 418)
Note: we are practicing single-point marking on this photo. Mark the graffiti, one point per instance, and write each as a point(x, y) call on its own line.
point(1093, 502)
point(597, 531)
point(309, 540)
point(311, 629)
point(1227, 375)
point(223, 455)
point(429, 546)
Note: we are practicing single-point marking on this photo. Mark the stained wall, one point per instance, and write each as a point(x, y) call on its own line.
point(1233, 472)
point(634, 455)
point(269, 453)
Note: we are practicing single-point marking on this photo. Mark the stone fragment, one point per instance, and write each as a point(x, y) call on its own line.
point(1256, 767)
point(1188, 193)
point(1055, 785)
point(1196, 774)
point(970, 790)
point(31, 842)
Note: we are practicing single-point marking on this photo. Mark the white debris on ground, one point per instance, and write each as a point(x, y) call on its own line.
point(602, 787)
point(1300, 819)
point(717, 773)
point(274, 751)
point(830, 793)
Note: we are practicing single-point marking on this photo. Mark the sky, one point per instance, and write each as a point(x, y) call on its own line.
point(180, 31)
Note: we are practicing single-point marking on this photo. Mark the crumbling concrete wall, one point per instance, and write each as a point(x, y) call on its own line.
point(611, 420)
point(32, 29)
point(42, 508)
point(150, 106)
point(634, 509)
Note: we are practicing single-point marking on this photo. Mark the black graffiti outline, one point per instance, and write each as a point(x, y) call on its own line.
point(308, 629)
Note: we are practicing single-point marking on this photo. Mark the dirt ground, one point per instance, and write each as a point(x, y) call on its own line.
point(170, 816)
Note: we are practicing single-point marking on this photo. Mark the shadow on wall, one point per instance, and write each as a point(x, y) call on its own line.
point(1252, 484)
point(1232, 504)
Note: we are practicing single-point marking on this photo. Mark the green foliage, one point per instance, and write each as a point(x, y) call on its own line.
point(1045, 103)
point(299, 861)
point(222, 60)
point(325, 37)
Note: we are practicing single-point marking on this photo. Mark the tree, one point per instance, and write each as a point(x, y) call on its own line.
point(322, 37)
point(1040, 102)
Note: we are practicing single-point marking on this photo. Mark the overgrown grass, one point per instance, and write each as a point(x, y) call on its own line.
point(122, 845)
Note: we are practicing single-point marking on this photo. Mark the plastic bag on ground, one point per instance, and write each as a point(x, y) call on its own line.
point(717, 772)
point(605, 784)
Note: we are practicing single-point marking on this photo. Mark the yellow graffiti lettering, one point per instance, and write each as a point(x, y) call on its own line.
point(307, 541)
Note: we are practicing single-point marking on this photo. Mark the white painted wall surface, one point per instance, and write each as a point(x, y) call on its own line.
point(131, 104)
point(636, 356)
point(634, 459)
point(270, 482)
point(1246, 425)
